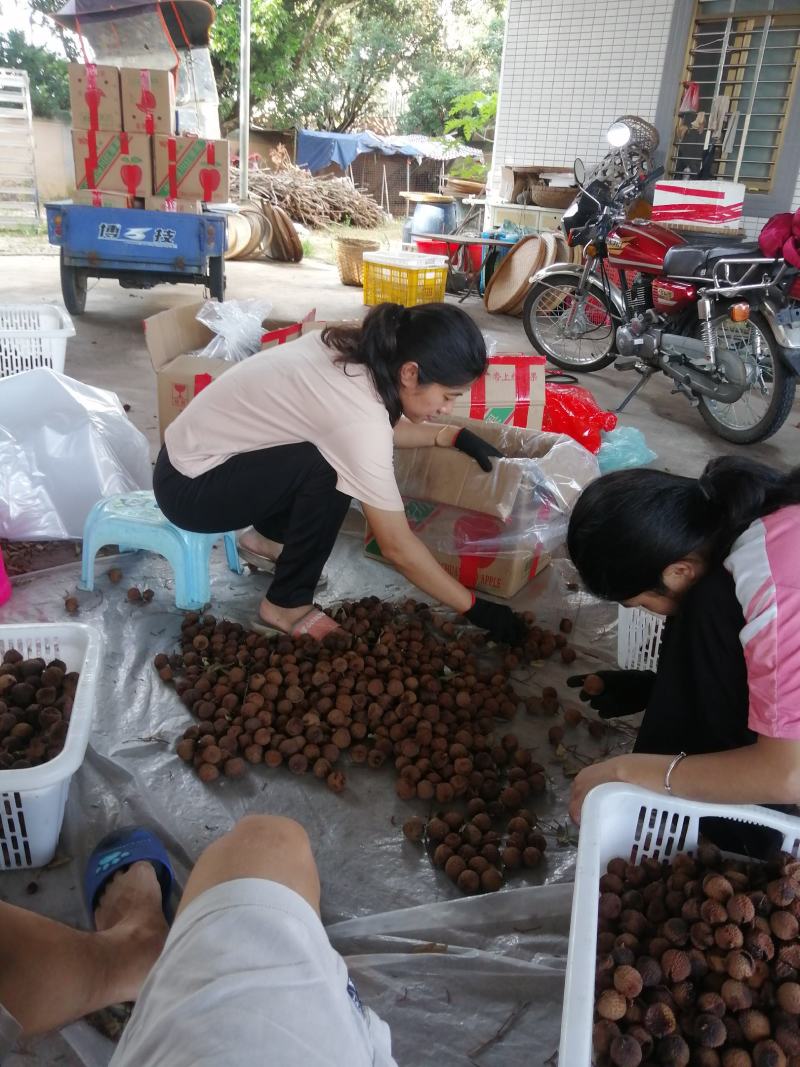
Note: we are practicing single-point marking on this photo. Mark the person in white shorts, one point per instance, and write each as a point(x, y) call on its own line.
point(246, 975)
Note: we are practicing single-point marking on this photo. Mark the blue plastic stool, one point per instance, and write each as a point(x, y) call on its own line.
point(134, 521)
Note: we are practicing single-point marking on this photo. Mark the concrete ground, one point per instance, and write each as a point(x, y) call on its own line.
point(109, 350)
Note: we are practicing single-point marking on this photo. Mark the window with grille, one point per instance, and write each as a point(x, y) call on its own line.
point(743, 55)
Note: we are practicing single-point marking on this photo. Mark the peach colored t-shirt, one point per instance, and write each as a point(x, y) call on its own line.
point(286, 395)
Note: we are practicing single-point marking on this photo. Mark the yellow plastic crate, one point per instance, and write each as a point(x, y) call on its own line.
point(409, 279)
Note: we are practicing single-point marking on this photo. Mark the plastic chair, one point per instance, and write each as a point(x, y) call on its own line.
point(135, 521)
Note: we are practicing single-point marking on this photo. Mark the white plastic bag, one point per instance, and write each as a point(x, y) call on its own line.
point(63, 446)
point(238, 325)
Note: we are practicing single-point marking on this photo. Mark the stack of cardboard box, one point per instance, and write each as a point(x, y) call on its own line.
point(126, 150)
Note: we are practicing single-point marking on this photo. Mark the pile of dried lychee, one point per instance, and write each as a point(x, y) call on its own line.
point(399, 684)
point(472, 852)
point(35, 706)
point(698, 963)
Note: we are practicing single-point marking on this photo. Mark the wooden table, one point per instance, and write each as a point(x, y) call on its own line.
point(489, 244)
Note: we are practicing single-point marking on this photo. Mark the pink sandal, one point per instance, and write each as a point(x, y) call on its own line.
point(315, 623)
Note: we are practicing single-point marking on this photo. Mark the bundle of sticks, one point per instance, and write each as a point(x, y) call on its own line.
point(314, 201)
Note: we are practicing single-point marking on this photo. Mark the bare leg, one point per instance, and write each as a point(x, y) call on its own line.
point(51, 975)
point(259, 846)
point(281, 618)
point(264, 546)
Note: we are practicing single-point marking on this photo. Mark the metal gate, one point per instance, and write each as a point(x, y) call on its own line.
point(19, 198)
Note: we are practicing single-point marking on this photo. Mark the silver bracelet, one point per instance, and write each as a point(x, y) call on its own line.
point(670, 769)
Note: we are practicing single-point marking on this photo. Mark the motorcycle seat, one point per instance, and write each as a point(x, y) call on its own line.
point(689, 261)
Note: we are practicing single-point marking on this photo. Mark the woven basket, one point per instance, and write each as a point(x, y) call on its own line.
point(349, 251)
point(545, 196)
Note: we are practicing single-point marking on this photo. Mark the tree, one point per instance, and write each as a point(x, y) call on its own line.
point(430, 103)
point(48, 73)
point(41, 10)
point(324, 63)
point(473, 116)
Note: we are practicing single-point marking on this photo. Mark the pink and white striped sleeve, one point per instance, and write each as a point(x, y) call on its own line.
point(765, 565)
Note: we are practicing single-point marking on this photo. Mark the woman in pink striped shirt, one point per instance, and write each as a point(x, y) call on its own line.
point(720, 556)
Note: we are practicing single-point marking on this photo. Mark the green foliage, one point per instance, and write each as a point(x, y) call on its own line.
point(48, 73)
point(430, 102)
point(473, 114)
point(41, 10)
point(469, 169)
point(324, 63)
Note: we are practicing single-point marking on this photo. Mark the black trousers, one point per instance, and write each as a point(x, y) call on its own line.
point(287, 493)
point(700, 699)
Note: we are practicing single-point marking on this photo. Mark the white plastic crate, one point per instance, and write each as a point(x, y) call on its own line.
point(623, 820)
point(32, 800)
point(414, 260)
point(639, 634)
point(33, 335)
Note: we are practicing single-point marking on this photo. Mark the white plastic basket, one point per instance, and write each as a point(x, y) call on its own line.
point(623, 820)
point(415, 260)
point(639, 634)
point(32, 800)
point(33, 335)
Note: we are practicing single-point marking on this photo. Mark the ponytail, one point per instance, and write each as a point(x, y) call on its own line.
point(629, 526)
point(442, 340)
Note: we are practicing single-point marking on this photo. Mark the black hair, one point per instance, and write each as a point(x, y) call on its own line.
point(629, 526)
point(441, 339)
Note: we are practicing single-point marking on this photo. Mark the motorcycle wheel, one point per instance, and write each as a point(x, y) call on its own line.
point(764, 406)
point(553, 307)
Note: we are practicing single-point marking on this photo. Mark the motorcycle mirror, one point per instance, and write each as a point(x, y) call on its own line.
point(619, 134)
point(579, 170)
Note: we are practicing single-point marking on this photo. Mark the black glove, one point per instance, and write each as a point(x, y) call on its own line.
point(623, 692)
point(481, 451)
point(501, 622)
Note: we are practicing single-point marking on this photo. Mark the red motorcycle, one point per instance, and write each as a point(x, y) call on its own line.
point(716, 317)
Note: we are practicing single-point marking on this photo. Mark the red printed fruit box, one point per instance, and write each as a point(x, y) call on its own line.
point(191, 168)
point(116, 162)
point(94, 97)
point(510, 392)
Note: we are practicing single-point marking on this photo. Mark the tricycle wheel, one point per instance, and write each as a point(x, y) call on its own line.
point(73, 288)
point(216, 277)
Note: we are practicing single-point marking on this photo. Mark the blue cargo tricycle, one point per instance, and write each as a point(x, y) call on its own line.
point(138, 248)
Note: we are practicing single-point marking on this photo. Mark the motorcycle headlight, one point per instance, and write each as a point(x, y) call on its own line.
point(619, 134)
point(571, 210)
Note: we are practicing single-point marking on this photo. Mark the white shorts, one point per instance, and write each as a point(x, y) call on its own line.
point(248, 976)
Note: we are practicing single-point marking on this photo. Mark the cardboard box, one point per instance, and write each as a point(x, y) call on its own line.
point(511, 392)
point(115, 162)
point(493, 532)
point(189, 167)
point(171, 335)
point(99, 198)
point(94, 97)
point(166, 203)
point(148, 100)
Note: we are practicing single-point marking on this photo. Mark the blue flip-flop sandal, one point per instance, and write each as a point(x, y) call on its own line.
point(116, 852)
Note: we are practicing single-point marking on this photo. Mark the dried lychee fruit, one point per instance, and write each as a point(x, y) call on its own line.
point(628, 981)
point(414, 828)
point(782, 892)
point(469, 881)
point(788, 997)
point(784, 925)
point(625, 1051)
point(768, 1054)
point(148, 595)
point(115, 575)
point(740, 908)
point(593, 685)
point(611, 1005)
point(660, 1020)
point(491, 880)
point(709, 1031)
point(676, 965)
point(603, 1033)
point(673, 1051)
point(454, 868)
point(134, 594)
point(71, 605)
point(717, 887)
point(755, 1025)
point(736, 995)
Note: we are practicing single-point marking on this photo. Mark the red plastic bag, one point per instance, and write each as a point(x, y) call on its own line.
point(691, 98)
point(775, 233)
point(572, 410)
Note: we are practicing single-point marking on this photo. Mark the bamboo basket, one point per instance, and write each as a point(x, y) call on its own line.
point(349, 251)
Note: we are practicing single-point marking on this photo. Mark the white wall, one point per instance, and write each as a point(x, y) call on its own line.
point(570, 67)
